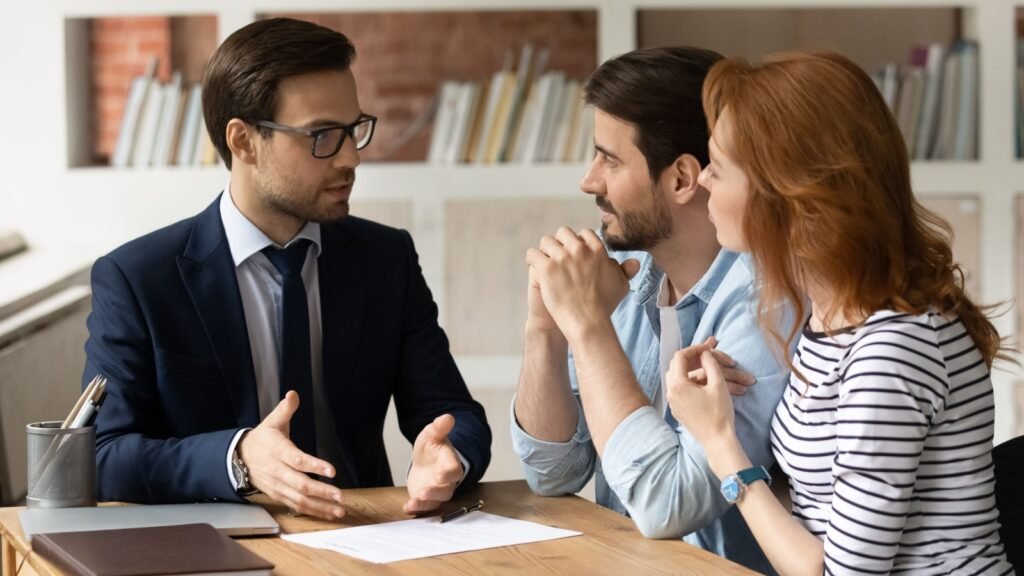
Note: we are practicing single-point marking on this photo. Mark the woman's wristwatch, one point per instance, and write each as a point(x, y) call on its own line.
point(734, 485)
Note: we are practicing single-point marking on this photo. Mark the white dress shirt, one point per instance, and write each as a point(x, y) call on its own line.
point(260, 287)
point(670, 341)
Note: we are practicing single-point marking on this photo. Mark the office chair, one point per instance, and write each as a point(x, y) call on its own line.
point(1008, 459)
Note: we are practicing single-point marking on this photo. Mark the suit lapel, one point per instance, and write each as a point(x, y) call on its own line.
point(342, 303)
point(208, 272)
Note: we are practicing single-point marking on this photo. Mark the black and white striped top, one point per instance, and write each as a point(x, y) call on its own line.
point(889, 450)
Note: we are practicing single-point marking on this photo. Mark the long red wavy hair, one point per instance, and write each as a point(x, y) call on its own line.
point(830, 201)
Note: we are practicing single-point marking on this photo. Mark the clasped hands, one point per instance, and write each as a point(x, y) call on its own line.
point(279, 469)
point(573, 282)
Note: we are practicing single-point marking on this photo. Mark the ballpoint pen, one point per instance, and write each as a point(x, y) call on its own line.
point(86, 414)
point(86, 394)
point(461, 511)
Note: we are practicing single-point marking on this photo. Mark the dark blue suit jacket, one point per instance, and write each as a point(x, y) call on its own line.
point(168, 330)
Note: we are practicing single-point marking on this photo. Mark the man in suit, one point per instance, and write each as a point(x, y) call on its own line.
point(257, 345)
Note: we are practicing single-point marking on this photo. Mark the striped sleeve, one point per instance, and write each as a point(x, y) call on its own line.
point(894, 382)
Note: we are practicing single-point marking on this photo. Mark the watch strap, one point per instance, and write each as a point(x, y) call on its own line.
point(735, 485)
point(751, 475)
point(239, 470)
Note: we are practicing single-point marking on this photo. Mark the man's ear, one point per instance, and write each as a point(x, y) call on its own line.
point(241, 141)
point(682, 177)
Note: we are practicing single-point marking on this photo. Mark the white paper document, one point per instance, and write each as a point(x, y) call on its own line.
point(423, 537)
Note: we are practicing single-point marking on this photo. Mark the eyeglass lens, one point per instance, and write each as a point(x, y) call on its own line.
point(329, 142)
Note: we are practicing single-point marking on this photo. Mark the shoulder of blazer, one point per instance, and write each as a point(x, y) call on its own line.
point(149, 249)
point(371, 235)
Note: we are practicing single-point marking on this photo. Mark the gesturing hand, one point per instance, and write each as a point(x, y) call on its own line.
point(736, 380)
point(436, 469)
point(704, 409)
point(578, 281)
point(278, 468)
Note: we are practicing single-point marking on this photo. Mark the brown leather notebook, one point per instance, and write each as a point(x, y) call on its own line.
point(192, 549)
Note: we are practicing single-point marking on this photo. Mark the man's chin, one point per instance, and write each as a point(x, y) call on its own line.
point(617, 243)
point(334, 214)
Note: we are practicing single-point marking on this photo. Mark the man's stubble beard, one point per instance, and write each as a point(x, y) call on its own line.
point(302, 208)
point(640, 231)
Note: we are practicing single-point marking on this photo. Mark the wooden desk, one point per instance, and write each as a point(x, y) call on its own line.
point(610, 543)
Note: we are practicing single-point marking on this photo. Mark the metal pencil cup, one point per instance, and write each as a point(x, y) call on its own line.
point(61, 465)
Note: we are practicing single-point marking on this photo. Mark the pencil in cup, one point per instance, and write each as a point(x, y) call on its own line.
point(62, 457)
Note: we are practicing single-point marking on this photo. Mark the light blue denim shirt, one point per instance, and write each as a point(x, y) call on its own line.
point(653, 470)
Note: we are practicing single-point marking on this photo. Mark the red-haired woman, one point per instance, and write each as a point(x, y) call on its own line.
point(886, 428)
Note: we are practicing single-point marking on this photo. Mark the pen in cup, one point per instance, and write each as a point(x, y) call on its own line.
point(86, 394)
point(461, 511)
point(81, 415)
point(90, 407)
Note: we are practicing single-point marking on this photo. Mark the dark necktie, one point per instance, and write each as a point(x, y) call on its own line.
point(295, 370)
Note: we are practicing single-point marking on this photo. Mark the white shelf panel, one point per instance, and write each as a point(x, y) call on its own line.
point(405, 181)
point(411, 181)
point(74, 8)
point(946, 178)
point(120, 8)
point(801, 4)
point(377, 182)
point(261, 6)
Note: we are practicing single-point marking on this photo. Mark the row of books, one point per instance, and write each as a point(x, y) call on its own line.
point(525, 115)
point(163, 125)
point(935, 100)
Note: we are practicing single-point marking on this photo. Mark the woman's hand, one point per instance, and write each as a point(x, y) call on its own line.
point(703, 407)
point(736, 379)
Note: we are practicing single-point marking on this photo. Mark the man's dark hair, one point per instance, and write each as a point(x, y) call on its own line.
point(241, 79)
point(658, 90)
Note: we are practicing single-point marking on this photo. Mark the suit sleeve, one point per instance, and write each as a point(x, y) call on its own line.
point(136, 459)
point(430, 384)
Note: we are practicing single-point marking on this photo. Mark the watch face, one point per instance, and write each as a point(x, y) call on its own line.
point(730, 489)
point(241, 480)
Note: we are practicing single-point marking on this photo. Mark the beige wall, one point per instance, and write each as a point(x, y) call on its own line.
point(396, 214)
point(964, 215)
point(485, 265)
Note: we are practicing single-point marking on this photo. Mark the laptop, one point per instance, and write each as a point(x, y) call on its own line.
point(229, 518)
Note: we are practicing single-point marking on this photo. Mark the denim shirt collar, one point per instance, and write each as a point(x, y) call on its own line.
point(645, 285)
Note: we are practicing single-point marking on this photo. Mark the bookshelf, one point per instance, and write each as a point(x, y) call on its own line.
point(451, 210)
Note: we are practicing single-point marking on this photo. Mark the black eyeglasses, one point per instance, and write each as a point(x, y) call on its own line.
point(327, 141)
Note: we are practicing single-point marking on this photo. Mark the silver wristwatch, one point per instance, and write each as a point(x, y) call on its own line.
point(240, 471)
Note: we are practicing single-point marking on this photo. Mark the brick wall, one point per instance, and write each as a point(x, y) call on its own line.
point(121, 48)
point(402, 59)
